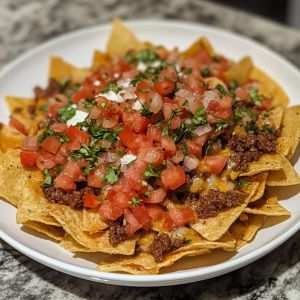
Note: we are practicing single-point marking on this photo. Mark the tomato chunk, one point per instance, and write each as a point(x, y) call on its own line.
point(64, 182)
point(51, 144)
point(28, 158)
point(173, 177)
point(164, 87)
point(78, 135)
point(90, 200)
point(18, 125)
point(156, 196)
point(178, 217)
point(108, 211)
point(155, 211)
point(214, 164)
point(46, 160)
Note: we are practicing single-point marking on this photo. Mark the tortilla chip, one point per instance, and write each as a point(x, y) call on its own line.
point(201, 44)
point(92, 222)
point(290, 132)
point(269, 87)
point(266, 162)
point(276, 115)
point(61, 70)
point(261, 179)
point(244, 232)
point(212, 82)
point(267, 207)
point(122, 40)
point(54, 232)
point(99, 59)
point(10, 138)
point(71, 220)
point(214, 228)
point(284, 177)
point(140, 264)
point(240, 71)
point(69, 244)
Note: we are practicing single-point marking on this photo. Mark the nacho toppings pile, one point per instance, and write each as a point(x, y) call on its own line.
point(157, 147)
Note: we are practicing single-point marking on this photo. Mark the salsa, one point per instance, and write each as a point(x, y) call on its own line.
point(145, 128)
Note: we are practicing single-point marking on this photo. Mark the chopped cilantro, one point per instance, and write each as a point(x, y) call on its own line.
point(187, 71)
point(216, 57)
point(135, 201)
point(82, 125)
point(233, 84)
point(223, 90)
point(185, 103)
point(111, 87)
point(209, 145)
point(137, 78)
point(206, 72)
point(89, 103)
point(254, 97)
point(185, 149)
point(151, 172)
point(44, 107)
point(147, 55)
point(112, 175)
point(239, 113)
point(267, 128)
point(100, 132)
point(63, 138)
point(199, 117)
point(47, 132)
point(221, 124)
point(66, 113)
point(242, 183)
point(48, 179)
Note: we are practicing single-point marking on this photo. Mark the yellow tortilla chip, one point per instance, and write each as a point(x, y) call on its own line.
point(267, 207)
point(276, 115)
point(212, 82)
point(99, 59)
point(122, 40)
point(244, 232)
point(261, 179)
point(201, 44)
point(54, 232)
point(214, 228)
point(10, 138)
point(290, 132)
point(240, 71)
point(269, 87)
point(285, 176)
point(71, 220)
point(69, 244)
point(61, 70)
point(266, 162)
point(92, 222)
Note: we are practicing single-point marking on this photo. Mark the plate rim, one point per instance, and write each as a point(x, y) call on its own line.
point(172, 278)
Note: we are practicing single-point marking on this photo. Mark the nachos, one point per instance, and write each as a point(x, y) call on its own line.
point(149, 155)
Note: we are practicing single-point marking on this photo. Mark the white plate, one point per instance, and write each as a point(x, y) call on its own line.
point(20, 76)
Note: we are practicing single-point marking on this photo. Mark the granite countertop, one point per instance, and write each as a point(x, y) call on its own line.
point(27, 23)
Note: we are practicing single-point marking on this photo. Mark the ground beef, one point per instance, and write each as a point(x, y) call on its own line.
point(51, 90)
point(73, 199)
point(117, 232)
point(208, 206)
point(162, 244)
point(31, 109)
point(249, 148)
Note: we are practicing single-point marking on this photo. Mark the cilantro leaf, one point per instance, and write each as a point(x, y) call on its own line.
point(221, 124)
point(44, 107)
point(254, 96)
point(48, 179)
point(112, 175)
point(100, 132)
point(242, 183)
point(206, 72)
point(151, 172)
point(267, 128)
point(66, 113)
point(187, 71)
point(135, 201)
point(147, 55)
point(45, 133)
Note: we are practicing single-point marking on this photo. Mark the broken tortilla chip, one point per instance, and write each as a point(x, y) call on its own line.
point(99, 59)
point(122, 40)
point(201, 44)
point(10, 138)
point(244, 232)
point(261, 179)
point(267, 207)
point(92, 222)
point(285, 176)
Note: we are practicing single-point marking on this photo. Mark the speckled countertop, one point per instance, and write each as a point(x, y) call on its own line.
point(27, 23)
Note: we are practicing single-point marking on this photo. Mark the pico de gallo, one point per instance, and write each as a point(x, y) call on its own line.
point(151, 136)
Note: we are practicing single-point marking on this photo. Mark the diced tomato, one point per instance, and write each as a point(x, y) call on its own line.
point(144, 89)
point(73, 170)
point(46, 160)
point(108, 211)
point(181, 216)
point(168, 74)
point(152, 155)
point(156, 196)
point(59, 127)
point(28, 158)
point(265, 104)
point(134, 141)
point(164, 87)
point(221, 109)
point(169, 224)
point(127, 136)
point(135, 121)
point(64, 182)
point(51, 144)
point(30, 143)
point(168, 108)
point(242, 93)
point(121, 200)
point(95, 176)
point(194, 148)
point(18, 125)
point(168, 145)
point(77, 135)
point(141, 214)
point(90, 200)
point(154, 133)
point(173, 177)
point(214, 164)
point(201, 58)
point(133, 174)
point(53, 111)
point(193, 83)
point(155, 211)
point(85, 92)
point(132, 223)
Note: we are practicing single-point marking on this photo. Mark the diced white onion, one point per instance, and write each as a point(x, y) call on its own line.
point(180, 233)
point(127, 159)
point(209, 96)
point(124, 83)
point(190, 162)
point(79, 116)
point(156, 103)
point(203, 130)
point(137, 105)
point(141, 66)
point(112, 96)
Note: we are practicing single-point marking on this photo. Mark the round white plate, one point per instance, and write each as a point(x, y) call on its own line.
point(21, 75)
